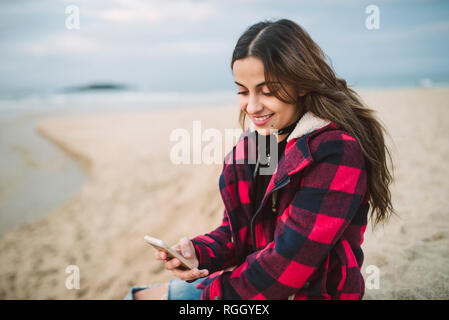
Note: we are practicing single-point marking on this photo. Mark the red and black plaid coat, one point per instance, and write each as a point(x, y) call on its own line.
point(306, 245)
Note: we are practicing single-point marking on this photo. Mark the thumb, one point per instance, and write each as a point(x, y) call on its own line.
point(186, 247)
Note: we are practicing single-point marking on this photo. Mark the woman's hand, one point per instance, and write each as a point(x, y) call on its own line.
point(186, 249)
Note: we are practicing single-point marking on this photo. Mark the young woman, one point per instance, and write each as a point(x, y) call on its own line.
point(295, 231)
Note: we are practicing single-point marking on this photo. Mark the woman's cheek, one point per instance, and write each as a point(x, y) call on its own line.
point(242, 103)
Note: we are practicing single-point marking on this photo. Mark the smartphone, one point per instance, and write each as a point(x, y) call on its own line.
point(171, 253)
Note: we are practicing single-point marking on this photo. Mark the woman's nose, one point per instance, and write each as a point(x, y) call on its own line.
point(253, 106)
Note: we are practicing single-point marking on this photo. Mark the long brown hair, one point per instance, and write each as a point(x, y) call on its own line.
point(294, 60)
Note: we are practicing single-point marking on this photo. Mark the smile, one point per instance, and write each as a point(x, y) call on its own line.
point(261, 120)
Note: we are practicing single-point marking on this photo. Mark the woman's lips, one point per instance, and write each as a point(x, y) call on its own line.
point(260, 121)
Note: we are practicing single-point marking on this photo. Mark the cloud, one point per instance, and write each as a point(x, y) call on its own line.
point(73, 43)
point(138, 11)
point(65, 43)
point(188, 47)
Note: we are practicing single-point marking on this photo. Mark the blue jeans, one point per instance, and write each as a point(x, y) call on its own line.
point(177, 290)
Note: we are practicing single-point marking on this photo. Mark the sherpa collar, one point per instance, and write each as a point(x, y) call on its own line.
point(308, 123)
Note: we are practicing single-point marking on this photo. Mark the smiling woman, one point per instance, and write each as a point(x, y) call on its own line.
point(332, 169)
point(294, 69)
point(258, 101)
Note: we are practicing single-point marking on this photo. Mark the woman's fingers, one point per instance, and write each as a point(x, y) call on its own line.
point(160, 255)
point(172, 264)
point(190, 274)
point(186, 249)
point(203, 273)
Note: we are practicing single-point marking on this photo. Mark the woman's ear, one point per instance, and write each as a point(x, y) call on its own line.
point(302, 93)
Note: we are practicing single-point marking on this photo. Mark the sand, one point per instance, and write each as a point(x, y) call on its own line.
point(134, 189)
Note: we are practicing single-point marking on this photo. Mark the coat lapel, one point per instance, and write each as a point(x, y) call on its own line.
point(236, 183)
point(297, 154)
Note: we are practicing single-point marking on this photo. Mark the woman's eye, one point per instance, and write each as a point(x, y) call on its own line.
point(264, 93)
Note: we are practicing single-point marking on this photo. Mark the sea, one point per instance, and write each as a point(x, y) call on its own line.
point(36, 176)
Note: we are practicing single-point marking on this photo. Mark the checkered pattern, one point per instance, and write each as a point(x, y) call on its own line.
point(310, 248)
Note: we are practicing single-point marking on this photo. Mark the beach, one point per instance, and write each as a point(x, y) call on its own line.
point(133, 189)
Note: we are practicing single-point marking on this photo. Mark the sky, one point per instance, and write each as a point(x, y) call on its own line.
point(186, 45)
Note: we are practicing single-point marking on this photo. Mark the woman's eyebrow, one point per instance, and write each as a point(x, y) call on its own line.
point(259, 85)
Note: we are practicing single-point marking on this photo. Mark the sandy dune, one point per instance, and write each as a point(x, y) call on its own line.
point(134, 189)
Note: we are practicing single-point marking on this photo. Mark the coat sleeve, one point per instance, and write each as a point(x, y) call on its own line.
point(215, 250)
point(331, 190)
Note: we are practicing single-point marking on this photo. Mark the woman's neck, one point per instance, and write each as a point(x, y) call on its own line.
point(282, 137)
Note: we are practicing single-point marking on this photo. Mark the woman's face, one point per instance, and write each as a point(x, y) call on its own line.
point(264, 109)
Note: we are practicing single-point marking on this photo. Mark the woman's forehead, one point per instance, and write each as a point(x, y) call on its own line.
point(249, 67)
